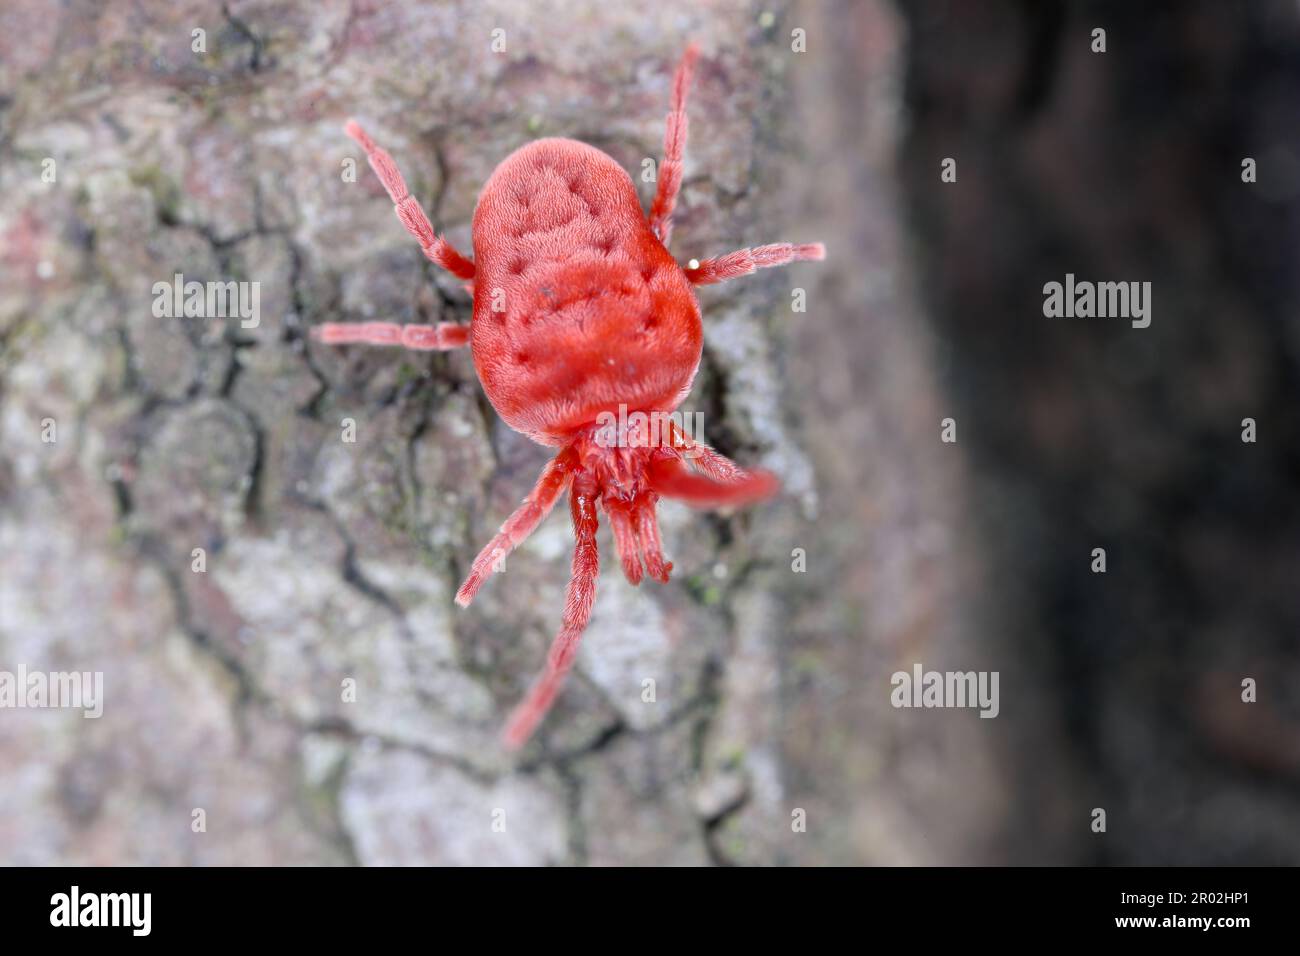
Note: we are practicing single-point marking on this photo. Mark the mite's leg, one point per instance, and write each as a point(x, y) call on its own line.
point(647, 525)
point(626, 539)
point(440, 337)
point(703, 458)
point(672, 480)
point(577, 612)
point(707, 460)
point(555, 476)
point(437, 249)
point(744, 261)
point(670, 170)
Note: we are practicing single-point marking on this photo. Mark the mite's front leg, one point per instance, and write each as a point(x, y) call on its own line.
point(578, 602)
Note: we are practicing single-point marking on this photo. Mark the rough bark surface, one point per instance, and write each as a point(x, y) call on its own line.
point(328, 560)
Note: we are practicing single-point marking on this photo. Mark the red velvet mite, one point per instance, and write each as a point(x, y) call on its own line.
point(580, 313)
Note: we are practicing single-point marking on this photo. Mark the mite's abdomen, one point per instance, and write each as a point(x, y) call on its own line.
point(578, 307)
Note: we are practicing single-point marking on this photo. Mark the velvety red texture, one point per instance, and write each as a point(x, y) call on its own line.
point(578, 307)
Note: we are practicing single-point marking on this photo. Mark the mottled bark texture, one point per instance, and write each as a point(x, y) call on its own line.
point(329, 561)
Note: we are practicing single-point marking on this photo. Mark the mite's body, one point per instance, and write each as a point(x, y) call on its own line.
point(578, 307)
point(581, 317)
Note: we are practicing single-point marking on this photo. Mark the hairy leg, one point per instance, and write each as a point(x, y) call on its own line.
point(742, 262)
point(647, 525)
point(671, 479)
point(438, 250)
point(705, 459)
point(578, 602)
point(670, 170)
point(554, 478)
point(443, 336)
point(626, 539)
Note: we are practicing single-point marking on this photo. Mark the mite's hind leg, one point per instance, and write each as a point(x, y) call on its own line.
point(425, 338)
point(578, 602)
point(670, 170)
point(438, 250)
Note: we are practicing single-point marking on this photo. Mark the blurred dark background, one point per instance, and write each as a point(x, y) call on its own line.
point(329, 561)
point(1088, 433)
